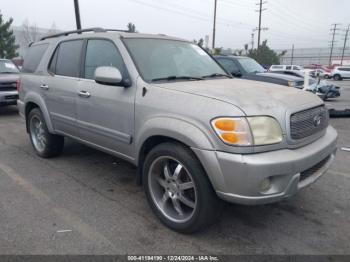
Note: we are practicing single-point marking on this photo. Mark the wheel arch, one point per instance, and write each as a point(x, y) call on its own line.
point(35, 101)
point(160, 131)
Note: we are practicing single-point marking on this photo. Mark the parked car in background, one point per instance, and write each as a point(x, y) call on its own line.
point(163, 104)
point(320, 73)
point(247, 68)
point(324, 89)
point(9, 81)
point(294, 68)
point(340, 73)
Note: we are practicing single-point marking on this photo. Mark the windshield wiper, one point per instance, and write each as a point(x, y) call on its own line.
point(216, 75)
point(170, 78)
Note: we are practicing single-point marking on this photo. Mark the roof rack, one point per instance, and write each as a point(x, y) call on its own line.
point(94, 29)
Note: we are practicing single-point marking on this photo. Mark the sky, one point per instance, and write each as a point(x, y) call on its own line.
point(304, 23)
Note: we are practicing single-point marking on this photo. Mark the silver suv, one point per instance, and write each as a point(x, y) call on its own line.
point(163, 104)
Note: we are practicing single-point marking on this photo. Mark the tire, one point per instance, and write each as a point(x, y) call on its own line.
point(199, 204)
point(46, 145)
point(326, 76)
point(337, 77)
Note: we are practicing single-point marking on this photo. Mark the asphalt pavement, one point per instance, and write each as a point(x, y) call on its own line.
point(87, 202)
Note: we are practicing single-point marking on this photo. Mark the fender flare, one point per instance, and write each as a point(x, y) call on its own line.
point(39, 101)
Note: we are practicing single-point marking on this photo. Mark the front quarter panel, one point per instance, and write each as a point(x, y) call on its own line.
point(179, 115)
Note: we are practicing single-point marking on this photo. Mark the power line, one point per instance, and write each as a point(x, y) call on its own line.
point(345, 40)
point(334, 29)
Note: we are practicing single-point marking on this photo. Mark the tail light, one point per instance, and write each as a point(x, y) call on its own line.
point(18, 85)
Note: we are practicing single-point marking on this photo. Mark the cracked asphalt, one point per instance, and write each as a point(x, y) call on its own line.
point(87, 202)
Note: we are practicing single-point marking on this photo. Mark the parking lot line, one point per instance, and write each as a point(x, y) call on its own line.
point(71, 219)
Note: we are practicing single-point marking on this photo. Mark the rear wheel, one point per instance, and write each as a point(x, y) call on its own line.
point(46, 145)
point(337, 77)
point(326, 76)
point(178, 189)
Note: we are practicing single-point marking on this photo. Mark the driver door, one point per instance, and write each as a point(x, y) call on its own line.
point(105, 113)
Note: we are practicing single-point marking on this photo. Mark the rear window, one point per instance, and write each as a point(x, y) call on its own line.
point(33, 58)
point(66, 59)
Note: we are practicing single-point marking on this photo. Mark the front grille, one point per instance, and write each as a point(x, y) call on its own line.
point(308, 122)
point(8, 86)
point(313, 170)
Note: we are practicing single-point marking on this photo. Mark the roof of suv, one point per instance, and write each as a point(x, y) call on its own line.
point(86, 33)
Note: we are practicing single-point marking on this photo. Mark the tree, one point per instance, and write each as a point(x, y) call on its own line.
point(264, 55)
point(7, 39)
point(29, 33)
point(200, 42)
point(131, 27)
point(217, 50)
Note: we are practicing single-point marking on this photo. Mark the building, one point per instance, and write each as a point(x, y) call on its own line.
point(319, 56)
point(26, 34)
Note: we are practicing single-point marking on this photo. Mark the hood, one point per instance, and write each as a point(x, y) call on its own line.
point(252, 97)
point(8, 78)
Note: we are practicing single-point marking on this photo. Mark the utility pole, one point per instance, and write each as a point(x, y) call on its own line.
point(77, 14)
point(291, 61)
point(334, 29)
point(345, 40)
point(259, 29)
point(214, 25)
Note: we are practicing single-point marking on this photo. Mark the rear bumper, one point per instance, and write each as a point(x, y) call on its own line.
point(8, 98)
point(240, 178)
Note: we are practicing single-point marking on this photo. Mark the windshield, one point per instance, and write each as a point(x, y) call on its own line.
point(251, 66)
point(170, 60)
point(7, 67)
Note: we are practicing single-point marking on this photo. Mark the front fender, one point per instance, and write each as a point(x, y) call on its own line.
point(32, 97)
point(174, 128)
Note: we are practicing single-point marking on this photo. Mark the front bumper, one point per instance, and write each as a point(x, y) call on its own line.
point(239, 178)
point(8, 98)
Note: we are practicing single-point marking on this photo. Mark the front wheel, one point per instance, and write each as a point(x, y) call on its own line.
point(337, 77)
point(46, 145)
point(178, 190)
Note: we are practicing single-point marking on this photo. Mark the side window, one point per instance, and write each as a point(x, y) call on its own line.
point(33, 58)
point(296, 68)
point(229, 65)
point(101, 53)
point(288, 68)
point(68, 58)
point(53, 62)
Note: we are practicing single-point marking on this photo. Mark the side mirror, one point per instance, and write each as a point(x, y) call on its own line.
point(108, 75)
point(237, 73)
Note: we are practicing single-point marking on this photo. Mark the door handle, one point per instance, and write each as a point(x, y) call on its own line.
point(45, 87)
point(84, 94)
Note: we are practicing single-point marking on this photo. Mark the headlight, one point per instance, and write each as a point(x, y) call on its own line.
point(292, 83)
point(248, 131)
point(265, 130)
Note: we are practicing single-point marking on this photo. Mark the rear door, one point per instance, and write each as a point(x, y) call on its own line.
point(346, 72)
point(105, 114)
point(61, 88)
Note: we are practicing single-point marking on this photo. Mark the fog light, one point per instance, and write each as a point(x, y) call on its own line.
point(265, 185)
